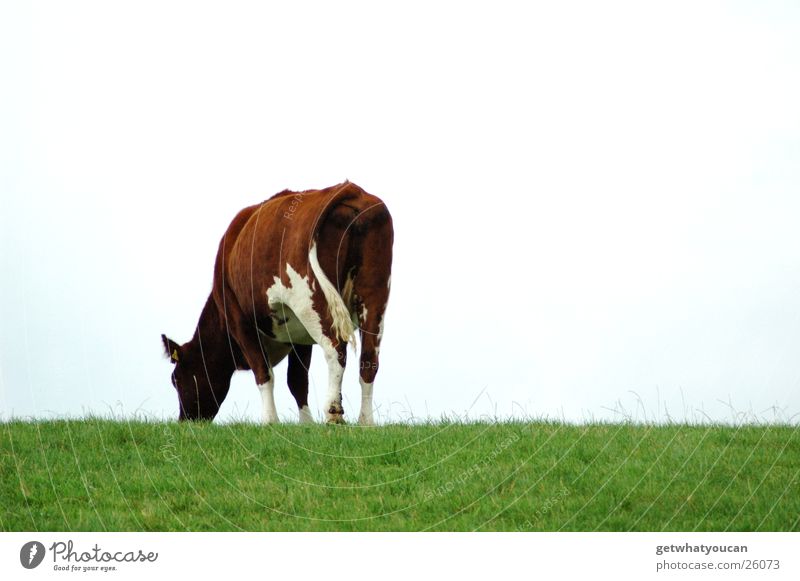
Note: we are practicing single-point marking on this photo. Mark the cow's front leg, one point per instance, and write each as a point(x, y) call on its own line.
point(269, 415)
point(297, 377)
point(336, 358)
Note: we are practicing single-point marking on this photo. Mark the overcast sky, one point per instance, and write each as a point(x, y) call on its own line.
point(596, 204)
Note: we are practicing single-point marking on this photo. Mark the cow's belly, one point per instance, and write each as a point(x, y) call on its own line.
point(275, 351)
point(287, 328)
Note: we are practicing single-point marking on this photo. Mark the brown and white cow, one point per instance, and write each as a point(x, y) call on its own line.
point(298, 269)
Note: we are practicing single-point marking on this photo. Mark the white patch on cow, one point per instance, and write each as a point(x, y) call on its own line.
point(382, 317)
point(294, 319)
point(305, 415)
point(269, 415)
point(342, 323)
point(365, 417)
point(363, 315)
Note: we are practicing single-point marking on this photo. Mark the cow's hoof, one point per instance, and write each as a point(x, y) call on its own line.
point(335, 413)
point(366, 421)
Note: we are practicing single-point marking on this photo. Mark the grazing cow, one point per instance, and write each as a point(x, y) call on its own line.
point(298, 269)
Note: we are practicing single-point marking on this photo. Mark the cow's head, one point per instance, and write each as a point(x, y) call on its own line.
point(200, 387)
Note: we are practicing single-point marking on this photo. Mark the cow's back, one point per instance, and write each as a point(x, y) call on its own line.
point(263, 240)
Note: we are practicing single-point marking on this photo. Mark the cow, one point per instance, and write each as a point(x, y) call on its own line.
point(300, 268)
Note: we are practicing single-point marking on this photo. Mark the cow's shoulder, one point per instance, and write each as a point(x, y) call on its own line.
point(238, 222)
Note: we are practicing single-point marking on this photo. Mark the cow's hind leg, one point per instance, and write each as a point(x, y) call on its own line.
point(297, 377)
point(371, 286)
point(371, 334)
point(312, 312)
point(336, 358)
point(373, 296)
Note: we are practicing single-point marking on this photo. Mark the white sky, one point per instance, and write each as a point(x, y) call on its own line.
point(591, 200)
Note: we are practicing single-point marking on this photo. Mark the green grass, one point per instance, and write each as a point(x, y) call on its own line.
point(95, 474)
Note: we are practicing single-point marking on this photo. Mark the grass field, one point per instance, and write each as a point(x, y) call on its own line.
point(97, 474)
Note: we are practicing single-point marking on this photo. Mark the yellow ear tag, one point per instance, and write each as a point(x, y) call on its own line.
point(175, 355)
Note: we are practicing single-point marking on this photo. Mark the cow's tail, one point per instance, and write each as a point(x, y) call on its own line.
point(342, 322)
point(343, 326)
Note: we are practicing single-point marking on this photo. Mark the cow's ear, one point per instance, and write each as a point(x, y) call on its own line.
point(172, 349)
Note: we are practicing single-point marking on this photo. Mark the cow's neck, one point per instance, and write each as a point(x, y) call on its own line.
point(210, 341)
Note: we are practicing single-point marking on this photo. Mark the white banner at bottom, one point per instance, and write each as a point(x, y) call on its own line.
point(356, 556)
